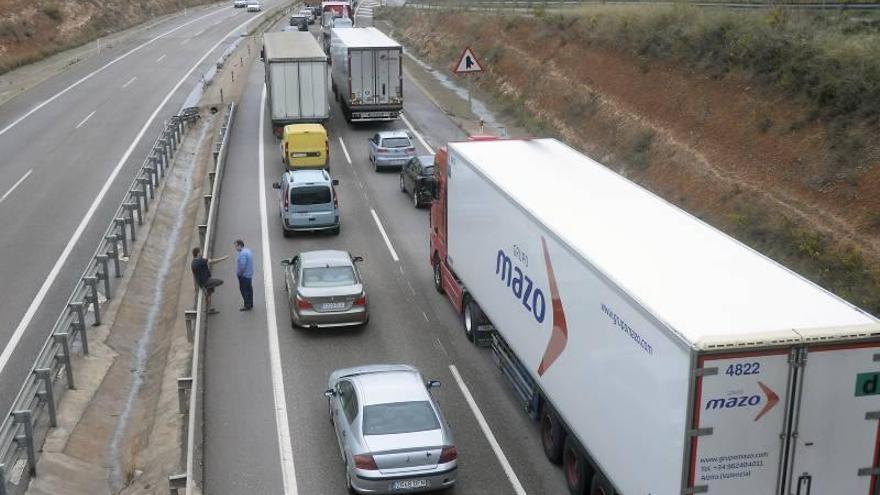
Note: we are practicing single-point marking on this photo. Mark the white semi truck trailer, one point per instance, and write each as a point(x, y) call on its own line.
point(296, 75)
point(367, 74)
point(661, 356)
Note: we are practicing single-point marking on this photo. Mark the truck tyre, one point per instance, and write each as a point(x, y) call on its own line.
point(471, 317)
point(552, 434)
point(438, 276)
point(577, 470)
point(287, 233)
point(335, 230)
point(600, 486)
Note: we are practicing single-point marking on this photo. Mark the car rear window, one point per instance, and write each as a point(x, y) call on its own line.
point(399, 417)
point(328, 276)
point(399, 142)
point(310, 195)
point(428, 170)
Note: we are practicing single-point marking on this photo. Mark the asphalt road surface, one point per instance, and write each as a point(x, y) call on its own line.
point(70, 147)
point(267, 429)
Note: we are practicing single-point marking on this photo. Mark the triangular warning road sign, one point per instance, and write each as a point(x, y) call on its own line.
point(468, 62)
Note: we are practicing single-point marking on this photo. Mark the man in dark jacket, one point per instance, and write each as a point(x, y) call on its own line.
point(201, 268)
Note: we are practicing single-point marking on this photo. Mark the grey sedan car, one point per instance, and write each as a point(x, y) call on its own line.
point(325, 289)
point(390, 149)
point(391, 433)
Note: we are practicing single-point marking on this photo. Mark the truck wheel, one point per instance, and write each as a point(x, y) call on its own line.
point(471, 318)
point(438, 276)
point(600, 486)
point(335, 230)
point(577, 471)
point(552, 434)
point(287, 233)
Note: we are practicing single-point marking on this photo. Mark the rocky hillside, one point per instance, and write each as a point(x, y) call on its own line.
point(749, 123)
point(32, 30)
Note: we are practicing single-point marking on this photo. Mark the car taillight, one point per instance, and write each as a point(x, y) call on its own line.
point(365, 461)
point(411, 150)
point(361, 301)
point(286, 198)
point(448, 454)
point(335, 197)
point(302, 303)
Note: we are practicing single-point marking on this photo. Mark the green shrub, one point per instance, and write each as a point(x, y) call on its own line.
point(53, 12)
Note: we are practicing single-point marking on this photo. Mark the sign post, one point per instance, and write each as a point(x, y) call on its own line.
point(468, 64)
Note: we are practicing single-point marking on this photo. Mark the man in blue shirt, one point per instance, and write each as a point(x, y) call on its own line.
point(244, 268)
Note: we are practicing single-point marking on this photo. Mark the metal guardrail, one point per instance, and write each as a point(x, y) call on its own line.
point(34, 412)
point(532, 5)
point(190, 394)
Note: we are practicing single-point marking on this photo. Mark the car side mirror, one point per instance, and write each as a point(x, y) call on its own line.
point(357, 259)
point(432, 384)
point(329, 393)
point(335, 182)
point(276, 185)
point(285, 262)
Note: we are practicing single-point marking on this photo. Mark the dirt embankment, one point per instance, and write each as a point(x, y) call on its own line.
point(30, 31)
point(744, 156)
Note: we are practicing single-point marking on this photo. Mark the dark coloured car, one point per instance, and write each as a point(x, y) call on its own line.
point(417, 179)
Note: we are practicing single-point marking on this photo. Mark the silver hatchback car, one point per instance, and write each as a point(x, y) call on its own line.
point(391, 433)
point(325, 289)
point(390, 149)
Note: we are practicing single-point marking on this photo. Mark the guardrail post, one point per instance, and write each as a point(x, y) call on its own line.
point(64, 340)
point(137, 195)
point(176, 483)
point(163, 142)
point(113, 239)
point(190, 316)
point(129, 209)
point(104, 274)
point(184, 385)
point(152, 174)
point(147, 187)
point(212, 176)
point(207, 198)
point(2, 479)
point(203, 229)
point(120, 224)
point(79, 311)
point(45, 374)
point(157, 162)
point(25, 418)
point(92, 284)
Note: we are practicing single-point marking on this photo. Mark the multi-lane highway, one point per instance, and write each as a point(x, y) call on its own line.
point(267, 429)
point(68, 149)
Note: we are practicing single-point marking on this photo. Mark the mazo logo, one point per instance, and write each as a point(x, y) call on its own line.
point(735, 402)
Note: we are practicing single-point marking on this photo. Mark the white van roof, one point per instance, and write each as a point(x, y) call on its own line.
point(702, 284)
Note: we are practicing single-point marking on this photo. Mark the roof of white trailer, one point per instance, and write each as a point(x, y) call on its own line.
point(366, 37)
point(706, 286)
point(292, 45)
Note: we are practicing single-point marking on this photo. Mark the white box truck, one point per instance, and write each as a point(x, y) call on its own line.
point(661, 356)
point(367, 74)
point(296, 79)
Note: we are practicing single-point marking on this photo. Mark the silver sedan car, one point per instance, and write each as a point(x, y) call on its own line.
point(325, 289)
point(391, 433)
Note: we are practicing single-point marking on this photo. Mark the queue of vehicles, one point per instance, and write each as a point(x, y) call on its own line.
point(658, 355)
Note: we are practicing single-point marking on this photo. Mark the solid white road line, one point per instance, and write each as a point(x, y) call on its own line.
point(285, 447)
point(162, 57)
point(74, 238)
point(505, 464)
point(101, 69)
point(419, 136)
point(199, 33)
point(345, 150)
point(18, 183)
point(384, 235)
point(83, 121)
point(129, 82)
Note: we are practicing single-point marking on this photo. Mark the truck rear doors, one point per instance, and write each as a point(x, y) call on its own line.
point(834, 441)
point(375, 76)
point(800, 421)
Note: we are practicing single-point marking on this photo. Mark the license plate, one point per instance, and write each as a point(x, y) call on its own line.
point(332, 306)
point(409, 484)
